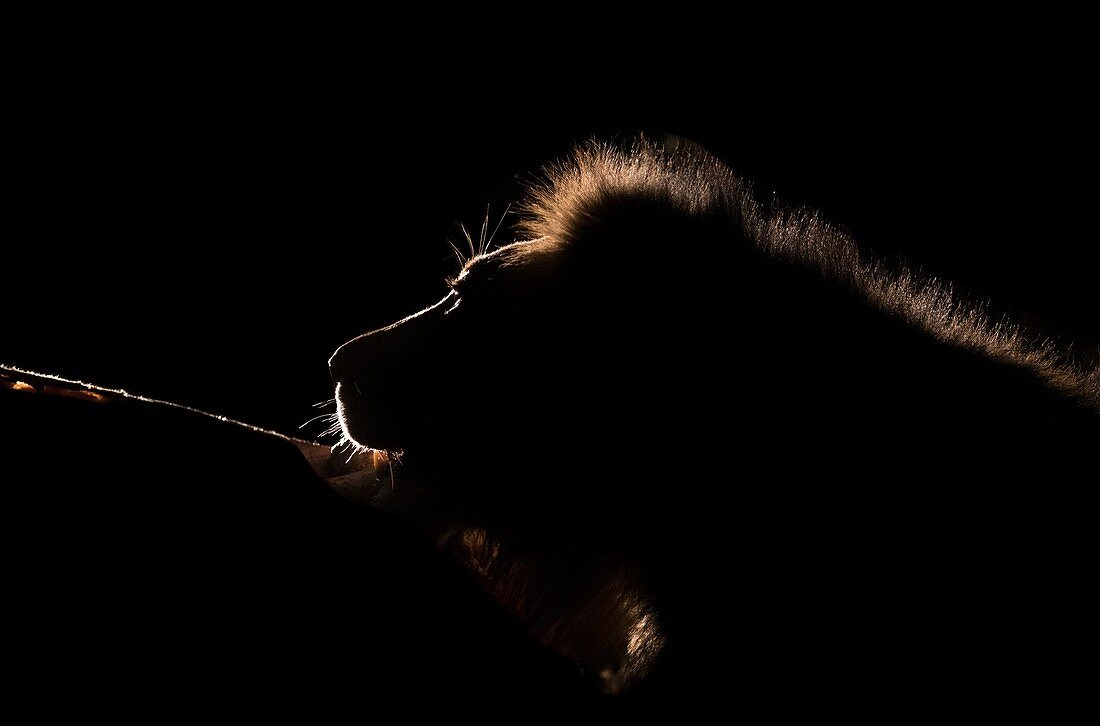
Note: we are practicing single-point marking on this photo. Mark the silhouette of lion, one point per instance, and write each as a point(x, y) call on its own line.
point(696, 443)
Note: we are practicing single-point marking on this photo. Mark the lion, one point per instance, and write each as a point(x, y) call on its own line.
point(697, 442)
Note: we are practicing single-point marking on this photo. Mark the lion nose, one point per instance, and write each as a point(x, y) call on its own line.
point(339, 363)
point(360, 354)
point(387, 350)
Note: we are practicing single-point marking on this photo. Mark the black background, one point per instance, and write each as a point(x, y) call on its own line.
point(207, 226)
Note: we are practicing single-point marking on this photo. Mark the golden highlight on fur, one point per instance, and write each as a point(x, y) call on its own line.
point(602, 621)
point(599, 176)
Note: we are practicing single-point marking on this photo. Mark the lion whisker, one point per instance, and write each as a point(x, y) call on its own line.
point(462, 260)
point(320, 417)
point(497, 228)
point(469, 241)
point(484, 231)
point(330, 431)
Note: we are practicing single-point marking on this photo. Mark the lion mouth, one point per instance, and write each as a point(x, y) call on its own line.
point(358, 473)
